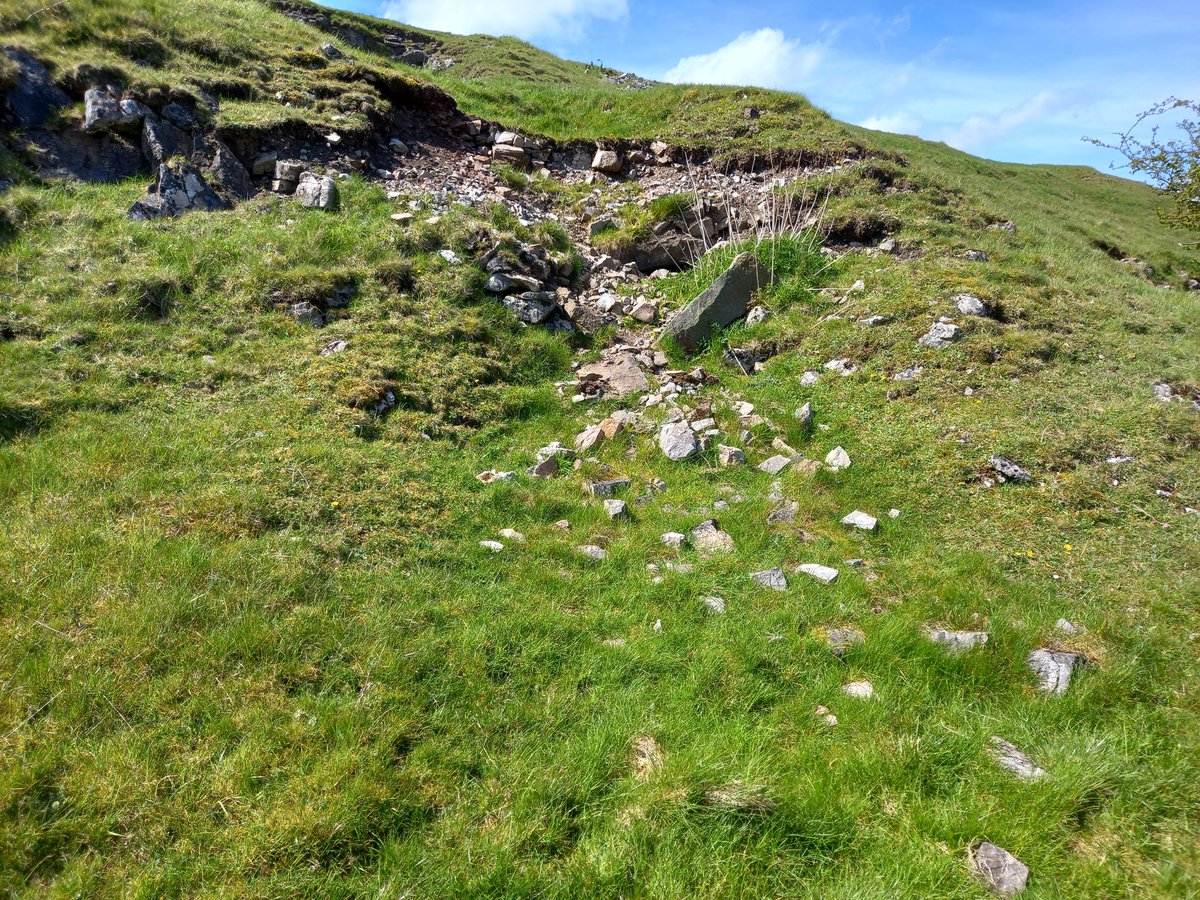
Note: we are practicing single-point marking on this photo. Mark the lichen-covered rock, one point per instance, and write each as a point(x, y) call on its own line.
point(179, 188)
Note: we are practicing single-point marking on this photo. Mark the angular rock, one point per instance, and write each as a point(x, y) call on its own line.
point(674, 539)
point(770, 578)
point(619, 373)
point(104, 111)
point(730, 456)
point(1009, 469)
point(320, 192)
point(941, 334)
point(607, 161)
point(591, 551)
point(228, 175)
point(1054, 669)
point(970, 305)
point(784, 514)
point(160, 141)
point(1007, 756)
point(861, 520)
point(757, 315)
point(1067, 627)
point(823, 574)
point(956, 642)
point(616, 509)
point(607, 488)
point(976, 256)
point(547, 468)
point(722, 304)
point(775, 464)
point(677, 441)
point(493, 476)
point(532, 307)
point(837, 459)
point(306, 313)
point(1001, 872)
point(179, 189)
point(707, 537)
point(804, 414)
point(589, 438)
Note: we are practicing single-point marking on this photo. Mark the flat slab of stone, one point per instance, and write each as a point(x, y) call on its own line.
point(823, 574)
point(721, 304)
point(861, 520)
point(1001, 872)
point(620, 374)
point(770, 578)
point(941, 334)
point(1009, 757)
point(956, 642)
point(1054, 669)
point(775, 464)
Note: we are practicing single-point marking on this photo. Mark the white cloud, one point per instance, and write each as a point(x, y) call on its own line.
point(981, 130)
point(554, 19)
point(896, 123)
point(763, 58)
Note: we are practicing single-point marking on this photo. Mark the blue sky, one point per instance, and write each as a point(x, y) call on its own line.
point(1013, 81)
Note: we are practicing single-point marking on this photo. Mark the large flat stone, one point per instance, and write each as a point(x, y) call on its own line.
point(724, 302)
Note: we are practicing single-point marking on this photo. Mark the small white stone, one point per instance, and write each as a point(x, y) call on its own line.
point(861, 690)
point(510, 534)
point(616, 509)
point(861, 520)
point(809, 378)
point(893, 513)
point(714, 604)
point(674, 539)
point(593, 552)
point(771, 578)
point(494, 546)
point(823, 574)
point(837, 459)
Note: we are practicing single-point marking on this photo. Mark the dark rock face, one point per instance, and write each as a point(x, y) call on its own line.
point(723, 303)
point(229, 176)
point(161, 141)
point(96, 158)
point(34, 99)
point(180, 189)
point(672, 251)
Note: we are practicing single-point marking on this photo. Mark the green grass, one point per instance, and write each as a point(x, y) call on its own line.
point(251, 646)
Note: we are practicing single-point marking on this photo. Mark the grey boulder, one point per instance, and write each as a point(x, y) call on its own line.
point(532, 307)
point(179, 189)
point(1001, 872)
point(316, 191)
point(677, 441)
point(722, 304)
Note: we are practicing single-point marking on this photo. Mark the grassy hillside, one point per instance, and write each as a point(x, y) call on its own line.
point(251, 645)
